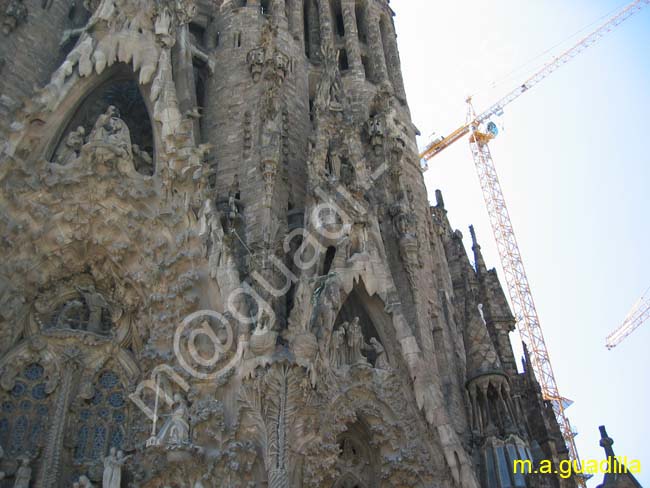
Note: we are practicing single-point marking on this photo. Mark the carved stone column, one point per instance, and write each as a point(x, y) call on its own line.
point(184, 73)
point(325, 14)
point(50, 468)
point(352, 36)
point(295, 19)
point(376, 47)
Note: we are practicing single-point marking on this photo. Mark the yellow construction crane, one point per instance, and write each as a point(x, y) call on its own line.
point(481, 129)
point(635, 318)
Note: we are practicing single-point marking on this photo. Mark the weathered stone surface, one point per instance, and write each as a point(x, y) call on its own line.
point(220, 267)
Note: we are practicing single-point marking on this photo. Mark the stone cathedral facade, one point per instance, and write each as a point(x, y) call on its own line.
point(220, 267)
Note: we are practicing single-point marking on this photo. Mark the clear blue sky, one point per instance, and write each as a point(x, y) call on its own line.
point(574, 165)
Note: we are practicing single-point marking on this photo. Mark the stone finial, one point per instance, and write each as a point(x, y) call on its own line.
point(479, 262)
point(440, 202)
point(606, 442)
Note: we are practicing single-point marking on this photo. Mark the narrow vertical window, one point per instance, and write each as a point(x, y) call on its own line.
point(344, 64)
point(312, 29)
point(362, 25)
point(337, 17)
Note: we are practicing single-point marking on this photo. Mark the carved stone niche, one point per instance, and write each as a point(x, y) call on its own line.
point(85, 311)
point(356, 462)
point(115, 117)
point(355, 339)
point(77, 307)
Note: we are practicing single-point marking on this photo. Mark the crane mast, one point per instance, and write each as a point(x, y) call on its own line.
point(635, 318)
point(521, 296)
point(481, 130)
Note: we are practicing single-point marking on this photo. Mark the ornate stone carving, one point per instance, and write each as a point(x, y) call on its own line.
point(255, 60)
point(112, 477)
point(82, 482)
point(375, 129)
point(23, 474)
point(329, 93)
point(110, 137)
point(72, 147)
point(175, 432)
point(101, 265)
point(15, 13)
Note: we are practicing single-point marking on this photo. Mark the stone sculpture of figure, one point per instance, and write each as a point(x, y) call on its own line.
point(376, 133)
point(113, 469)
point(96, 305)
point(111, 131)
point(72, 146)
point(337, 347)
point(71, 315)
point(23, 475)
point(330, 88)
point(355, 342)
point(271, 129)
point(281, 65)
point(176, 430)
point(233, 209)
point(347, 172)
point(255, 60)
point(142, 160)
point(329, 304)
point(82, 482)
point(344, 246)
point(8, 377)
point(381, 362)
point(212, 235)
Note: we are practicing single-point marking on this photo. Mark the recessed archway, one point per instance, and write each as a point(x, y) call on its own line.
point(122, 91)
point(376, 325)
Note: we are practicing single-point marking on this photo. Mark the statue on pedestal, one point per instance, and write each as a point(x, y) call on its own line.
point(112, 469)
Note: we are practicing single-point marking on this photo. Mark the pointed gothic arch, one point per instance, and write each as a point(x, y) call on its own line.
point(118, 87)
point(101, 420)
point(312, 36)
point(25, 406)
point(357, 460)
point(375, 323)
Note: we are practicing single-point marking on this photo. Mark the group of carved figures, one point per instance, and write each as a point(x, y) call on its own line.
point(347, 346)
point(23, 473)
point(175, 432)
point(88, 312)
point(112, 475)
point(110, 136)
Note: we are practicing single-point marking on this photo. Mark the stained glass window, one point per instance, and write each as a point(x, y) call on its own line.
point(101, 420)
point(23, 412)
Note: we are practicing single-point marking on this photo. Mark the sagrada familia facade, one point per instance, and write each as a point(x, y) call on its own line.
point(220, 266)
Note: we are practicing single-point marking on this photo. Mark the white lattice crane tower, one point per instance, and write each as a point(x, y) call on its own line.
point(481, 130)
point(635, 318)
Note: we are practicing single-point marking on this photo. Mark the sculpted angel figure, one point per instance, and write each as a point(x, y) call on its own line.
point(176, 430)
point(110, 130)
